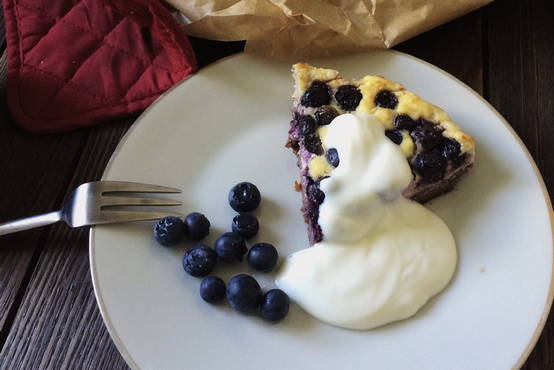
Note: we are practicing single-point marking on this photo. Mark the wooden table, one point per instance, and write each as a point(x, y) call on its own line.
point(48, 313)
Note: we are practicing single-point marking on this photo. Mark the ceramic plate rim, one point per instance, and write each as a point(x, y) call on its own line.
point(547, 305)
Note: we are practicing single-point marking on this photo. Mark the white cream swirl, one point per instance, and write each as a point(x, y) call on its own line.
point(383, 255)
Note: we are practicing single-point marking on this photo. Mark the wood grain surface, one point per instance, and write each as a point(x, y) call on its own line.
point(48, 314)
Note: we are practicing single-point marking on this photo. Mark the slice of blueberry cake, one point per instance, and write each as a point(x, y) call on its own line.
point(438, 152)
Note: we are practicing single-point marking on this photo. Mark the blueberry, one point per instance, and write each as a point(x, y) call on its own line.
point(395, 136)
point(332, 157)
point(317, 95)
point(245, 224)
point(428, 135)
point(230, 247)
point(348, 97)
point(386, 99)
point(262, 257)
point(459, 160)
point(307, 125)
point(275, 305)
point(169, 230)
point(198, 226)
point(404, 122)
point(312, 143)
point(199, 260)
point(324, 115)
point(315, 194)
point(212, 289)
point(244, 293)
point(431, 166)
point(244, 197)
point(450, 149)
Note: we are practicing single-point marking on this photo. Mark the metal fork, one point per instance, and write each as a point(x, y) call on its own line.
point(92, 204)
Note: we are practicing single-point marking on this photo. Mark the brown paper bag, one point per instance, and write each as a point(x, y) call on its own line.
point(297, 29)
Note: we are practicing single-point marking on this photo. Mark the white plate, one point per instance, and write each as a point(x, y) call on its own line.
point(228, 123)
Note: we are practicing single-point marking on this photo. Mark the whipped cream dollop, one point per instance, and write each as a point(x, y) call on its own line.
point(383, 256)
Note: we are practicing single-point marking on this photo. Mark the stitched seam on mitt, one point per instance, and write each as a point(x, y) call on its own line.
point(103, 99)
point(98, 36)
point(187, 70)
point(112, 104)
point(69, 80)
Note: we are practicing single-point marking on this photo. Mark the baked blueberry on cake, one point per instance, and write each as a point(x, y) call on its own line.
point(438, 152)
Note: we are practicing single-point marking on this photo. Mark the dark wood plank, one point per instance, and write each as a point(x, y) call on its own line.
point(58, 325)
point(520, 80)
point(521, 74)
point(464, 61)
point(35, 171)
point(3, 55)
point(208, 51)
point(3, 69)
point(2, 31)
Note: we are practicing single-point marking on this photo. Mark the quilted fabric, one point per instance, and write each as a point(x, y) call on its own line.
point(81, 62)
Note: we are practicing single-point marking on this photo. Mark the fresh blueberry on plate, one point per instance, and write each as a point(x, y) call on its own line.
point(198, 226)
point(230, 247)
point(244, 197)
point(245, 224)
point(262, 257)
point(199, 260)
point(169, 230)
point(244, 293)
point(275, 305)
point(212, 289)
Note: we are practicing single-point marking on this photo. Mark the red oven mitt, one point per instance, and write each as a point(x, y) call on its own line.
point(76, 63)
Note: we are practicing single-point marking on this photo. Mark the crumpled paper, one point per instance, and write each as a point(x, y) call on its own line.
point(297, 29)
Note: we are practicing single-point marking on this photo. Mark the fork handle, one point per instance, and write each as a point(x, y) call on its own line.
point(30, 222)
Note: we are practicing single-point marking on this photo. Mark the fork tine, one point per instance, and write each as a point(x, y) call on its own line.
point(129, 201)
point(107, 217)
point(134, 187)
